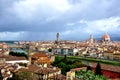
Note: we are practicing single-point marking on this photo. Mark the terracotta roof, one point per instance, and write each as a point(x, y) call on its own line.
point(5, 75)
point(77, 69)
point(58, 77)
point(82, 50)
point(12, 58)
point(3, 56)
point(42, 61)
point(115, 79)
point(31, 68)
point(107, 67)
point(108, 51)
point(36, 55)
point(39, 70)
point(106, 37)
point(46, 70)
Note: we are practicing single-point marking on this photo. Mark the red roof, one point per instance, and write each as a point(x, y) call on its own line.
point(106, 37)
point(40, 70)
point(12, 58)
point(39, 55)
point(77, 69)
point(58, 77)
point(106, 67)
point(31, 68)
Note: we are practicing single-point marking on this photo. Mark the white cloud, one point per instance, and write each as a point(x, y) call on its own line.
point(11, 35)
point(70, 24)
point(95, 27)
point(111, 25)
point(39, 9)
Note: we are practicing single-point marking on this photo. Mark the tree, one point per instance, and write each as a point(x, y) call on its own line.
point(1, 77)
point(78, 64)
point(98, 69)
point(18, 54)
point(85, 75)
point(88, 75)
point(23, 75)
point(49, 50)
point(88, 68)
point(57, 60)
point(68, 67)
point(14, 77)
point(63, 66)
point(65, 59)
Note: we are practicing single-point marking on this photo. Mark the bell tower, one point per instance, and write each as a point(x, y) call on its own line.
point(28, 55)
point(57, 37)
point(91, 39)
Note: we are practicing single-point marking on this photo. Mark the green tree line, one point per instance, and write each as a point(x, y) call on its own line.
point(65, 64)
point(18, 54)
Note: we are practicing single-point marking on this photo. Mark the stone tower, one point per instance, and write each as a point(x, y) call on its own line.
point(29, 56)
point(91, 39)
point(57, 37)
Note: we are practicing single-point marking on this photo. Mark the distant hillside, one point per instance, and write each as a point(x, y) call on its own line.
point(9, 42)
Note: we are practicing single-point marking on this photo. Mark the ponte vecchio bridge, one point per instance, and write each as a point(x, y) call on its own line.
point(15, 46)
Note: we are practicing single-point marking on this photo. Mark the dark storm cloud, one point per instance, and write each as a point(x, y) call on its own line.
point(13, 20)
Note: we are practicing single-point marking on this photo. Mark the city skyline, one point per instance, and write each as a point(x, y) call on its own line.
point(73, 19)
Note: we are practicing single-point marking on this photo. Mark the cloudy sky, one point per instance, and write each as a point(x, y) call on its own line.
point(73, 19)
